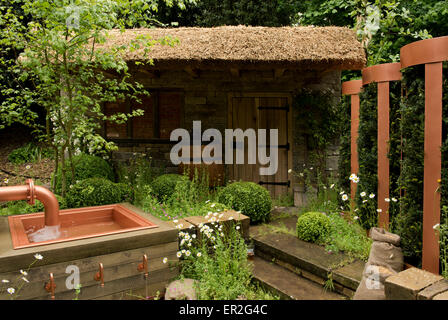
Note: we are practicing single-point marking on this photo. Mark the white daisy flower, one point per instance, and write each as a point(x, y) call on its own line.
point(356, 217)
point(436, 226)
point(165, 260)
point(289, 170)
point(24, 272)
point(5, 281)
point(179, 254)
point(11, 290)
point(187, 253)
point(387, 199)
point(331, 187)
point(371, 196)
point(25, 279)
point(394, 200)
point(199, 254)
point(362, 194)
point(379, 210)
point(237, 228)
point(344, 197)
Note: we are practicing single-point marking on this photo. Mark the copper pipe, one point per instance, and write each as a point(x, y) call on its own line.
point(30, 192)
point(99, 276)
point(51, 286)
point(144, 266)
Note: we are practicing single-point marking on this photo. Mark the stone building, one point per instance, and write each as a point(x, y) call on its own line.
point(232, 77)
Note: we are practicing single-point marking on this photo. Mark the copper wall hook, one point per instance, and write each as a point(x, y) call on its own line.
point(99, 276)
point(144, 266)
point(51, 286)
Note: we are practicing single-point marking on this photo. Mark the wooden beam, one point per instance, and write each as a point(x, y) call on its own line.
point(235, 72)
point(194, 73)
point(279, 73)
point(152, 74)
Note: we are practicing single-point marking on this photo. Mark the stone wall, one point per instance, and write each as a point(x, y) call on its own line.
point(206, 99)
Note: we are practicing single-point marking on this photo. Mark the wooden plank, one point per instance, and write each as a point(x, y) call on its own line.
point(119, 285)
point(150, 290)
point(111, 272)
point(90, 263)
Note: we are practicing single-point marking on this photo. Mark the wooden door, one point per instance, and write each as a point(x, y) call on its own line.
point(263, 112)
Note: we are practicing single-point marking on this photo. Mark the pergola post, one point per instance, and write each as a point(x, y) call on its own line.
point(431, 52)
point(353, 88)
point(382, 74)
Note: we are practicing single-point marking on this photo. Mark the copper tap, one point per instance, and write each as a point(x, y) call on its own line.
point(99, 276)
point(30, 192)
point(51, 286)
point(144, 266)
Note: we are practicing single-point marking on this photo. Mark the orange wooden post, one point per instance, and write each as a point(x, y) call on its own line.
point(430, 52)
point(353, 88)
point(382, 74)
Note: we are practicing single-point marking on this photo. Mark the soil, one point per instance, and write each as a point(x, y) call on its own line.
point(16, 174)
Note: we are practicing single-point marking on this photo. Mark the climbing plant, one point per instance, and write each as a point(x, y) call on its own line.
point(318, 117)
point(409, 221)
point(344, 146)
point(367, 154)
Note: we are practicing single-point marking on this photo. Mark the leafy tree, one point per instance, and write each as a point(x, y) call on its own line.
point(72, 72)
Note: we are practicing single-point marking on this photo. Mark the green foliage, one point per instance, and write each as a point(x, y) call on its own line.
point(139, 174)
point(347, 236)
point(97, 191)
point(62, 54)
point(22, 207)
point(344, 165)
point(318, 120)
point(367, 154)
point(250, 198)
point(30, 152)
point(219, 263)
point(163, 186)
point(244, 12)
point(408, 223)
point(86, 166)
point(313, 227)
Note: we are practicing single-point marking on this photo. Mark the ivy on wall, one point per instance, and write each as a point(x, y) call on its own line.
point(318, 117)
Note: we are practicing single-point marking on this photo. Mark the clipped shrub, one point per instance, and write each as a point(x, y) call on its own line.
point(313, 227)
point(95, 192)
point(86, 166)
point(250, 198)
point(163, 186)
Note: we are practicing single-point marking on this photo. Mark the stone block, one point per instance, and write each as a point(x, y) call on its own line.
point(433, 290)
point(407, 284)
point(195, 100)
point(226, 218)
point(441, 296)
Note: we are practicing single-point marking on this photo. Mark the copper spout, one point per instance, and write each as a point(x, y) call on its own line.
point(51, 286)
point(30, 192)
point(144, 266)
point(99, 276)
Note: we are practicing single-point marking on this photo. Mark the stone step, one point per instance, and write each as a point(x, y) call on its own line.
point(288, 285)
point(308, 260)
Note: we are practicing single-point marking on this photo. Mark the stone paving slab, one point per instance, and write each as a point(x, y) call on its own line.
point(407, 284)
point(309, 258)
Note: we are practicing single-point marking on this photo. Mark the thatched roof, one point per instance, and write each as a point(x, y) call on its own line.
point(335, 47)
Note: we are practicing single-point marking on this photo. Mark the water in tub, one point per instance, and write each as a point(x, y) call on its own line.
point(44, 234)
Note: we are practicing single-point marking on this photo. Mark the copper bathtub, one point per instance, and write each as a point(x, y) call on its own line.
point(78, 224)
